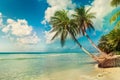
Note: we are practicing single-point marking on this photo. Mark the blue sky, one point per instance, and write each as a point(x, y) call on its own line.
point(24, 27)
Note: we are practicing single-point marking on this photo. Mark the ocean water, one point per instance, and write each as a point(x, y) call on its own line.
point(30, 66)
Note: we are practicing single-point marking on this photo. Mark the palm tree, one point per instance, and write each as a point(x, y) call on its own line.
point(114, 34)
point(104, 45)
point(114, 39)
point(110, 42)
point(117, 14)
point(115, 3)
point(83, 19)
point(63, 26)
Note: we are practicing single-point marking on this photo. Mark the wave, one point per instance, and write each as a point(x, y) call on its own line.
point(38, 56)
point(27, 56)
point(20, 58)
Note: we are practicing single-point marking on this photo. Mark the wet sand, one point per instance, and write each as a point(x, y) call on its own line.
point(76, 74)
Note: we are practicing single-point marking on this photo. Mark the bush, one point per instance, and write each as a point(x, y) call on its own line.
point(110, 42)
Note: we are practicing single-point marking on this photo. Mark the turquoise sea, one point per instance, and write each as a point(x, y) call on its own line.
point(30, 66)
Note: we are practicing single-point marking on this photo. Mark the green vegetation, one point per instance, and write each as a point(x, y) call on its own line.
point(83, 19)
point(115, 3)
point(104, 46)
point(78, 24)
point(63, 26)
point(114, 18)
point(110, 42)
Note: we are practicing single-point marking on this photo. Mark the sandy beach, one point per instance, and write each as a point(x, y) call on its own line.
point(108, 73)
point(76, 74)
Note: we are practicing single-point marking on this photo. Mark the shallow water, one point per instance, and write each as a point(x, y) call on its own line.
point(30, 66)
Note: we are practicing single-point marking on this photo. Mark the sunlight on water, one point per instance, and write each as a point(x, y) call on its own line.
point(31, 66)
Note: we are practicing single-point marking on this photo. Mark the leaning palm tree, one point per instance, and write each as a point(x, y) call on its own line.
point(83, 18)
point(63, 26)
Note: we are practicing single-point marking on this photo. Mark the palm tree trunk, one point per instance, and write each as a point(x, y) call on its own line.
point(94, 44)
point(86, 51)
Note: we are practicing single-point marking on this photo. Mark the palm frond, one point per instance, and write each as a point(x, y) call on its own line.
point(56, 34)
point(83, 18)
point(117, 26)
point(91, 15)
point(87, 11)
point(63, 37)
point(114, 17)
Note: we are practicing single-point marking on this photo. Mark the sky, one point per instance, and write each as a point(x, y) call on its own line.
point(24, 24)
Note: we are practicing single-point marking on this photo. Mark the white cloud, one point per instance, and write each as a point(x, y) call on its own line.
point(57, 5)
point(20, 32)
point(101, 8)
point(48, 37)
point(6, 29)
point(1, 20)
point(70, 13)
point(17, 28)
point(32, 39)
point(43, 22)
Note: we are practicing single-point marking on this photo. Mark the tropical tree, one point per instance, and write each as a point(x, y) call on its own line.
point(110, 42)
point(114, 39)
point(63, 26)
point(83, 19)
point(104, 45)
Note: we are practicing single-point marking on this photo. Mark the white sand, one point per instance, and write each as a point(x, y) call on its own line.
point(108, 73)
point(76, 74)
